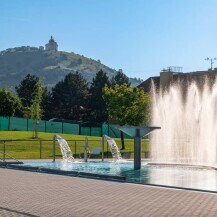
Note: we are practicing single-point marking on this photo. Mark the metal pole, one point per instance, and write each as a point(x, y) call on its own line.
point(102, 148)
point(85, 149)
point(9, 124)
point(211, 61)
point(75, 148)
point(79, 132)
point(137, 150)
point(54, 148)
point(108, 129)
point(4, 152)
point(40, 149)
point(107, 150)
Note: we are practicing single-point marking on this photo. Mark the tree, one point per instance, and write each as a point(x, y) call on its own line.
point(47, 104)
point(127, 105)
point(70, 97)
point(97, 105)
point(35, 107)
point(8, 103)
point(25, 89)
point(119, 79)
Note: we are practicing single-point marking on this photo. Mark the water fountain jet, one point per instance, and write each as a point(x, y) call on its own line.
point(114, 149)
point(65, 149)
point(188, 124)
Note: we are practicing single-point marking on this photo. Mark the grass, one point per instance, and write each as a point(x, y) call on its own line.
point(21, 145)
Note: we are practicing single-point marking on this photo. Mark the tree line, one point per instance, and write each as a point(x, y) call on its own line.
point(74, 99)
point(71, 98)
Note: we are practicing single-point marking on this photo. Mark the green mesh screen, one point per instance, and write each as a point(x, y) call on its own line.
point(4, 123)
point(41, 126)
point(22, 124)
point(54, 127)
point(96, 131)
point(114, 132)
point(71, 128)
point(18, 124)
point(85, 131)
point(105, 129)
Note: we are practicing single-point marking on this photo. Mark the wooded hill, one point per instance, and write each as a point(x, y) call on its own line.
point(52, 66)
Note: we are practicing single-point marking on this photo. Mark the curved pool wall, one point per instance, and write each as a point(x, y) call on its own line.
point(178, 176)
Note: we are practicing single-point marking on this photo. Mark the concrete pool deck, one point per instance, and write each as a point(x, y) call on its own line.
point(36, 194)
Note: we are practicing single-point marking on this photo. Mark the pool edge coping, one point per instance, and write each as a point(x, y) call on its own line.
point(98, 177)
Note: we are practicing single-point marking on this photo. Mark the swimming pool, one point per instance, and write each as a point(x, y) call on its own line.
point(200, 178)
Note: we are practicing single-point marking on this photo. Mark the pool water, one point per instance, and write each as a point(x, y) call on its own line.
point(176, 176)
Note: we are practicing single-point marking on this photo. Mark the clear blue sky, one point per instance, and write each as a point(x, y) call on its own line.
point(139, 36)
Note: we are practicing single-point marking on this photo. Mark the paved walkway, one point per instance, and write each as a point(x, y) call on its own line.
point(35, 194)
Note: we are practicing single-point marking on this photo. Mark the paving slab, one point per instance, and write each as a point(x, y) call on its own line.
point(34, 194)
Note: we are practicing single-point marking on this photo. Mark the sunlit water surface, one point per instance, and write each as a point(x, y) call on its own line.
point(177, 176)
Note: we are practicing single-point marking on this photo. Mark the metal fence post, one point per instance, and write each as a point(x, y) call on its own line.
point(107, 149)
point(75, 148)
point(85, 149)
point(9, 123)
point(79, 132)
point(108, 129)
point(54, 148)
point(102, 148)
point(4, 151)
point(40, 149)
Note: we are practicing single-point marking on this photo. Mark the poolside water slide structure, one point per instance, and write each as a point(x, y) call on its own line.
point(137, 132)
point(68, 156)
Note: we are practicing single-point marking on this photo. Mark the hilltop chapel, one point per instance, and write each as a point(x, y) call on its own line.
point(51, 45)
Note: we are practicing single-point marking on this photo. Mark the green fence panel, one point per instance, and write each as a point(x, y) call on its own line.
point(71, 128)
point(30, 125)
point(104, 129)
point(4, 123)
point(54, 127)
point(23, 124)
point(96, 131)
point(18, 124)
point(41, 127)
point(114, 132)
point(85, 131)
